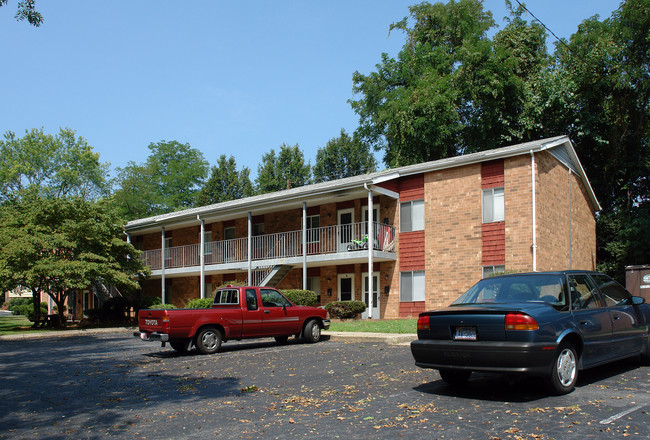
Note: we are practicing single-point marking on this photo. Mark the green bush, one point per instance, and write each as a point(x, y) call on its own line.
point(163, 306)
point(345, 309)
point(301, 297)
point(199, 303)
point(25, 307)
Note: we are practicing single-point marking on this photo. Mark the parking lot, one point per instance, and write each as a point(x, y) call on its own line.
point(112, 385)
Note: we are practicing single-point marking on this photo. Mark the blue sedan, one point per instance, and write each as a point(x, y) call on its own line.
point(550, 324)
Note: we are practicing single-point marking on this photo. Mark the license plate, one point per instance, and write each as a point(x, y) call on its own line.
point(465, 334)
point(150, 322)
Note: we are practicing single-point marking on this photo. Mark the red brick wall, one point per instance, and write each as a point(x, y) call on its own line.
point(493, 244)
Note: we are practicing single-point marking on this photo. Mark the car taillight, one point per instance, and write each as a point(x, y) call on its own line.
point(165, 322)
point(423, 323)
point(520, 321)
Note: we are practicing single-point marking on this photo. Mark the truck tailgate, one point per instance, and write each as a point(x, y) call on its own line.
point(151, 320)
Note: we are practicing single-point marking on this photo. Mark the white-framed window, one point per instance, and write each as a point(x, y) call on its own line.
point(411, 286)
point(493, 205)
point(313, 229)
point(488, 271)
point(411, 216)
point(168, 248)
point(207, 241)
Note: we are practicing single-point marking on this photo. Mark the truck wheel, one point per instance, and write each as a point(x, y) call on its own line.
point(180, 346)
point(564, 373)
point(311, 332)
point(281, 339)
point(208, 340)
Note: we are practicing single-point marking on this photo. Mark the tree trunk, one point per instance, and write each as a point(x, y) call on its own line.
point(59, 299)
point(36, 300)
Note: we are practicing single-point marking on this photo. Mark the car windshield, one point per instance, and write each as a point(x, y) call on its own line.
point(516, 289)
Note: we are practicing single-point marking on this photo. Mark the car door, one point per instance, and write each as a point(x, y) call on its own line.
point(252, 315)
point(627, 330)
point(279, 316)
point(591, 318)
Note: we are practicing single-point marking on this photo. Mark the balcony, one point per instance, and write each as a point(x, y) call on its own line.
point(340, 240)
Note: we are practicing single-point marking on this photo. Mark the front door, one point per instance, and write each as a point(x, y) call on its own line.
point(375, 296)
point(346, 287)
point(345, 233)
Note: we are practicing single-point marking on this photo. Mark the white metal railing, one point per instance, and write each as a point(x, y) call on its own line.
point(320, 241)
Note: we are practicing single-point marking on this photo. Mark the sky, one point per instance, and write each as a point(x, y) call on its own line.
point(228, 77)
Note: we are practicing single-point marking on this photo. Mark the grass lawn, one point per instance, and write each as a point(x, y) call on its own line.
point(375, 325)
point(15, 324)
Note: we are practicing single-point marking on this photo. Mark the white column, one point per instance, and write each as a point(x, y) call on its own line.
point(304, 245)
point(371, 246)
point(532, 176)
point(162, 266)
point(202, 258)
point(250, 248)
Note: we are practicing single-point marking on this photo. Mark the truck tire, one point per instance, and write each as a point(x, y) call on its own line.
point(208, 340)
point(281, 339)
point(311, 332)
point(180, 346)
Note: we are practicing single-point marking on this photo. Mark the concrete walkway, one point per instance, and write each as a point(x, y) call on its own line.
point(351, 337)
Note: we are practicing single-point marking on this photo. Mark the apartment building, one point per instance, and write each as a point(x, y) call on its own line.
point(403, 240)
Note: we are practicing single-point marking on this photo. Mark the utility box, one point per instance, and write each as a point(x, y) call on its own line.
point(637, 281)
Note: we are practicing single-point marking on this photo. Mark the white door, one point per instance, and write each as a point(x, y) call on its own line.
point(345, 232)
point(375, 295)
point(346, 287)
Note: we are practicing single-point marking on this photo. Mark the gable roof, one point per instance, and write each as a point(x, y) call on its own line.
point(560, 147)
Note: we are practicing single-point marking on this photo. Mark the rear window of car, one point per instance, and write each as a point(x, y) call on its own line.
point(516, 289)
point(226, 297)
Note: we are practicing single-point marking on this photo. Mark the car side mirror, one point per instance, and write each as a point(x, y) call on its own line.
point(637, 300)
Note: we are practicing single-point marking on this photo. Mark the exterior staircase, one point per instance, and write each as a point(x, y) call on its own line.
point(276, 275)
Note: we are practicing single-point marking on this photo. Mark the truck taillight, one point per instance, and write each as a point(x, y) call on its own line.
point(423, 323)
point(165, 322)
point(520, 321)
point(327, 316)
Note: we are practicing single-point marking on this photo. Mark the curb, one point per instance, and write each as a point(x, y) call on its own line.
point(66, 333)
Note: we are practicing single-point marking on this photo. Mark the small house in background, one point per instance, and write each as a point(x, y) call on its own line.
point(402, 240)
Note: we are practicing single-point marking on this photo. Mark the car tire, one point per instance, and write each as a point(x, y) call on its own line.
point(455, 377)
point(645, 356)
point(281, 339)
point(564, 372)
point(208, 340)
point(311, 332)
point(180, 346)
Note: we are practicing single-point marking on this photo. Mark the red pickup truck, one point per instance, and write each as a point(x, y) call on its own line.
point(237, 313)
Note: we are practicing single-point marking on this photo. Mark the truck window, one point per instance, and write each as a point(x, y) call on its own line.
point(251, 299)
point(227, 297)
point(273, 298)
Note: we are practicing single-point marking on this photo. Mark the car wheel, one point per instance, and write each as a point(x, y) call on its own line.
point(281, 339)
point(208, 340)
point(645, 356)
point(564, 373)
point(311, 333)
point(455, 377)
point(180, 346)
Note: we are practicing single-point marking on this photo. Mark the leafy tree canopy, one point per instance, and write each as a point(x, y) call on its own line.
point(27, 11)
point(55, 165)
point(225, 183)
point(343, 157)
point(285, 170)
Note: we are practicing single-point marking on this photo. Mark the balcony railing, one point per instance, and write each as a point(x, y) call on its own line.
point(320, 241)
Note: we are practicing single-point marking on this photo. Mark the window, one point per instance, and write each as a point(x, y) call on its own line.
point(613, 293)
point(489, 271)
point(273, 298)
point(583, 293)
point(411, 216)
point(251, 299)
point(207, 241)
point(227, 297)
point(411, 287)
point(313, 231)
point(493, 205)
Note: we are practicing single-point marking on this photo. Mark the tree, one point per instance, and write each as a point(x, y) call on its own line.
point(56, 166)
point(27, 11)
point(451, 89)
point(284, 171)
point(225, 183)
point(343, 157)
point(63, 246)
point(168, 181)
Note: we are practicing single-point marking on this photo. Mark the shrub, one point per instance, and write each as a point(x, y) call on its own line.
point(25, 306)
point(301, 297)
point(345, 309)
point(163, 306)
point(199, 303)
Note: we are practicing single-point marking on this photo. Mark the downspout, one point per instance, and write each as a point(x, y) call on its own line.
point(250, 248)
point(570, 224)
point(202, 257)
point(532, 176)
point(371, 247)
point(304, 245)
point(162, 267)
